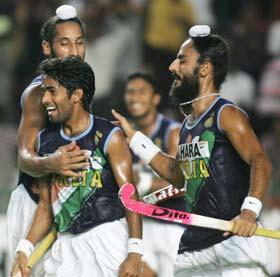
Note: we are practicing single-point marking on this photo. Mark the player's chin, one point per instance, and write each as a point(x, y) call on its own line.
point(54, 119)
point(139, 113)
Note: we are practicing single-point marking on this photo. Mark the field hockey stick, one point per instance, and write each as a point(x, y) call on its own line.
point(145, 209)
point(163, 194)
point(40, 250)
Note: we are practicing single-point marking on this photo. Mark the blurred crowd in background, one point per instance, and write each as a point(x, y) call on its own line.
point(124, 36)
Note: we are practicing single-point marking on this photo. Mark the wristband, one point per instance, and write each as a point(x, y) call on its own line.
point(145, 183)
point(143, 147)
point(25, 246)
point(135, 245)
point(253, 204)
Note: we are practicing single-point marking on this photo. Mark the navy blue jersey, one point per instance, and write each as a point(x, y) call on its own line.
point(26, 180)
point(160, 137)
point(82, 203)
point(216, 178)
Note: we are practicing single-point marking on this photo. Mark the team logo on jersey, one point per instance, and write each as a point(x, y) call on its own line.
point(98, 137)
point(194, 157)
point(209, 121)
point(193, 150)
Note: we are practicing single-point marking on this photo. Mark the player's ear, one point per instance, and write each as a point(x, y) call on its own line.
point(46, 48)
point(156, 99)
point(77, 95)
point(205, 69)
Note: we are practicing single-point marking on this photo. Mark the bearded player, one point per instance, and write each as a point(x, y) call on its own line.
point(220, 161)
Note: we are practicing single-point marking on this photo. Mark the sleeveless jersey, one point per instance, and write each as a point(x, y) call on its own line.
point(85, 202)
point(216, 178)
point(26, 180)
point(160, 137)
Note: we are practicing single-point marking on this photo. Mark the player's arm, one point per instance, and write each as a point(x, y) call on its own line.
point(40, 226)
point(172, 149)
point(33, 119)
point(166, 166)
point(121, 164)
point(173, 141)
point(249, 148)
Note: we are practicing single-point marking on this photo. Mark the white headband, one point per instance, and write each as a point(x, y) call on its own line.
point(65, 12)
point(199, 31)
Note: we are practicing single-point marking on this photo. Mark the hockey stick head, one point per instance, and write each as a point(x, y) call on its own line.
point(126, 192)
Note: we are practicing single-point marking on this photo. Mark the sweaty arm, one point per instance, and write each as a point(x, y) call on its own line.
point(166, 166)
point(246, 143)
point(121, 164)
point(33, 119)
point(172, 148)
point(41, 224)
point(43, 216)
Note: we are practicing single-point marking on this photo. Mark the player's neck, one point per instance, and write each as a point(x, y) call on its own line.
point(207, 95)
point(202, 104)
point(77, 124)
point(147, 123)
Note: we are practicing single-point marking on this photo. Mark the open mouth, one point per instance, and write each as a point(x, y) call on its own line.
point(176, 82)
point(50, 110)
point(136, 106)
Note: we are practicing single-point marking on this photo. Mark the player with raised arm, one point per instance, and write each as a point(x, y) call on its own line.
point(62, 35)
point(141, 99)
point(94, 239)
point(220, 161)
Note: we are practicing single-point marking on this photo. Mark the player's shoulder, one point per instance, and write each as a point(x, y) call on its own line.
point(103, 122)
point(228, 108)
point(107, 133)
point(32, 90)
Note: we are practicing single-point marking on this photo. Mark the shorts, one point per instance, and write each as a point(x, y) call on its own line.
point(236, 256)
point(96, 252)
point(161, 243)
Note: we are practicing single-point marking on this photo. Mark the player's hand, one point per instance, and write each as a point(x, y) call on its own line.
point(20, 265)
point(131, 266)
point(245, 224)
point(67, 160)
point(125, 125)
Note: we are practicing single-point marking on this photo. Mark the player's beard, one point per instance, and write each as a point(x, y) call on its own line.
point(187, 90)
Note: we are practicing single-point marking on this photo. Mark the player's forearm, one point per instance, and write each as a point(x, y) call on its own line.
point(260, 175)
point(41, 224)
point(32, 164)
point(168, 169)
point(166, 166)
point(158, 184)
point(134, 222)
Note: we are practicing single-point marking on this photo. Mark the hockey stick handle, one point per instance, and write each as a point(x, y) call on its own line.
point(128, 190)
point(40, 250)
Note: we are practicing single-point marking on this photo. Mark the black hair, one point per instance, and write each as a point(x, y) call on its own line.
point(48, 30)
point(146, 77)
point(214, 49)
point(72, 73)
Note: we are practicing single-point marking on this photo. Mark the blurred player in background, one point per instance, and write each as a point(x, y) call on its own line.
point(161, 239)
point(62, 35)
